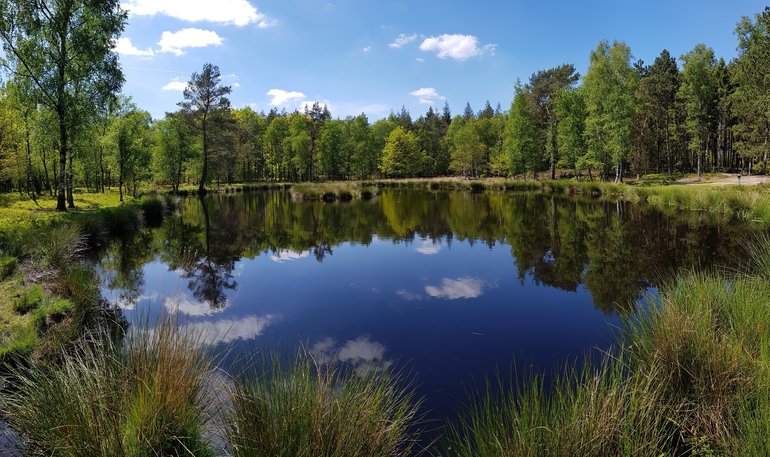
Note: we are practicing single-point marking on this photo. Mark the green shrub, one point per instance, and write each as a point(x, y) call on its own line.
point(152, 210)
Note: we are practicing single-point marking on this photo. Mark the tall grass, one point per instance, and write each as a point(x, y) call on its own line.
point(141, 398)
point(314, 411)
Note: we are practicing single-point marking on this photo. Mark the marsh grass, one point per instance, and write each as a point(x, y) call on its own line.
point(140, 398)
point(333, 191)
point(303, 409)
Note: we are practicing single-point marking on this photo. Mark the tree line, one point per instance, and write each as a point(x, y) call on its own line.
point(65, 124)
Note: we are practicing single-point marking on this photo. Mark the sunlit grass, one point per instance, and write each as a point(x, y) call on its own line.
point(140, 398)
point(303, 409)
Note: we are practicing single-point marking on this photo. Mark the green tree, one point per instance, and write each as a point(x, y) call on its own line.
point(129, 136)
point(467, 151)
point(364, 153)
point(204, 96)
point(611, 105)
point(401, 156)
point(173, 147)
point(523, 140)
point(699, 94)
point(751, 100)
point(63, 51)
point(657, 92)
point(543, 86)
point(570, 109)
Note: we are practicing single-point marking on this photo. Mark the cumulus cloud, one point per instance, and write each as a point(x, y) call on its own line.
point(229, 330)
point(177, 42)
point(185, 305)
point(456, 46)
point(452, 289)
point(286, 255)
point(427, 95)
point(235, 12)
point(362, 353)
point(367, 49)
point(176, 84)
point(428, 247)
point(408, 295)
point(124, 47)
point(402, 40)
point(281, 97)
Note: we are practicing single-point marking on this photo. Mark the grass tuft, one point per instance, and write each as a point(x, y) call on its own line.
point(307, 410)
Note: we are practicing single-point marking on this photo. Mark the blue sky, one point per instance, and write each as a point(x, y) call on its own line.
point(375, 56)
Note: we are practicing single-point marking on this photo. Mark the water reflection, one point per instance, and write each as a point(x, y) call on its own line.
point(452, 289)
point(363, 354)
point(613, 250)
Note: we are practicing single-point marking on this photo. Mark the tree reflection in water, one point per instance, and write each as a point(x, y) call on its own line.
point(614, 250)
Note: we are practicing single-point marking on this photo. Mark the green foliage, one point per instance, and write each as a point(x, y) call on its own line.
point(523, 141)
point(611, 106)
point(401, 155)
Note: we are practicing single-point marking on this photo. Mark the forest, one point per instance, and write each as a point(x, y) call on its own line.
point(64, 123)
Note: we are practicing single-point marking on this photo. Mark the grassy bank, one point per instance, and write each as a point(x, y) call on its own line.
point(747, 203)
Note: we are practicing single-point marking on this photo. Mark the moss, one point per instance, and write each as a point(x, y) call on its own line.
point(27, 299)
point(7, 266)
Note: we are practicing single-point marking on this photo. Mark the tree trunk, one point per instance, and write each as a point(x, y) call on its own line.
point(70, 200)
point(61, 199)
point(668, 146)
point(553, 150)
point(30, 189)
point(764, 154)
point(202, 184)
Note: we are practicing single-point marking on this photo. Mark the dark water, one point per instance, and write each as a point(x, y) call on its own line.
point(448, 286)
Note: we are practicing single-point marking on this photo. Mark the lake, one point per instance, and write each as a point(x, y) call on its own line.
point(449, 287)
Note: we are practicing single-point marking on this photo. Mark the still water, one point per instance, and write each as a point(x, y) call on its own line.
point(450, 287)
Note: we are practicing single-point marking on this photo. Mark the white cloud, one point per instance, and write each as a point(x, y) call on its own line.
point(176, 84)
point(427, 95)
point(177, 42)
point(402, 40)
point(285, 255)
point(456, 46)
point(362, 353)
point(420, 59)
point(428, 247)
point(367, 49)
point(281, 97)
point(235, 12)
point(229, 330)
point(124, 47)
point(184, 305)
point(452, 289)
point(407, 295)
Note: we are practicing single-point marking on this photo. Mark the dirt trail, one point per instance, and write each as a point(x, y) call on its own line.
point(725, 179)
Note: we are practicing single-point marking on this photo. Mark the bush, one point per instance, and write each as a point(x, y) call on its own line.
point(152, 210)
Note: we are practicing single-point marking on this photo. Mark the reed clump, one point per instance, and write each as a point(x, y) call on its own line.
point(140, 398)
point(303, 409)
